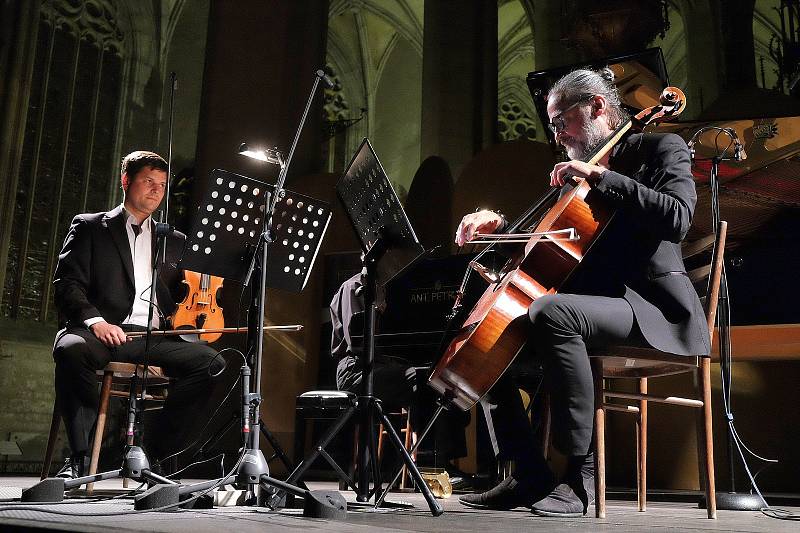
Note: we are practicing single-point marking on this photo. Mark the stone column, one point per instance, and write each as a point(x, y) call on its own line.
point(260, 62)
point(736, 25)
point(703, 53)
point(549, 48)
point(459, 80)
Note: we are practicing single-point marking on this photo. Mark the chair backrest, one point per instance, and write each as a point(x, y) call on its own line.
point(711, 271)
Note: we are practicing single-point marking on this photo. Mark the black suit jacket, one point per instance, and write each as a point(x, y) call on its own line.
point(94, 275)
point(638, 257)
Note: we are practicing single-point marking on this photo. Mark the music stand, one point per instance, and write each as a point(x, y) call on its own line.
point(227, 239)
point(228, 224)
point(389, 245)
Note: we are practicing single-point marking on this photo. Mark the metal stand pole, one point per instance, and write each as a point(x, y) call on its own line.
point(731, 500)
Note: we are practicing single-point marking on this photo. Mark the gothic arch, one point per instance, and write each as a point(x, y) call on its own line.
point(404, 17)
point(673, 46)
point(516, 114)
point(362, 38)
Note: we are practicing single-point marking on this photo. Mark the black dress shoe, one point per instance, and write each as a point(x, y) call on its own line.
point(75, 466)
point(508, 494)
point(563, 501)
point(572, 498)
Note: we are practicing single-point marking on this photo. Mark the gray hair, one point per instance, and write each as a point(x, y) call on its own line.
point(582, 82)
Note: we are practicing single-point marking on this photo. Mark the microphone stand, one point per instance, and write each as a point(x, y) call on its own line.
point(162, 232)
point(731, 500)
point(253, 469)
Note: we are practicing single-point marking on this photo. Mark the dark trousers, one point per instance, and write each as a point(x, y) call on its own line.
point(563, 327)
point(78, 354)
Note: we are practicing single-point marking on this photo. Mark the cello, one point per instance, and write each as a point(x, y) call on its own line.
point(497, 327)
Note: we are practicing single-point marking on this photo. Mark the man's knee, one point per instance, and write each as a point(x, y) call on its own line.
point(549, 311)
point(216, 364)
point(75, 351)
point(210, 361)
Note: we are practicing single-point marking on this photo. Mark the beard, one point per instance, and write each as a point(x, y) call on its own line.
point(591, 137)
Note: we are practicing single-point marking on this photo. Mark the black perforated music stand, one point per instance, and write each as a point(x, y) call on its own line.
point(229, 238)
point(390, 245)
point(229, 222)
point(375, 211)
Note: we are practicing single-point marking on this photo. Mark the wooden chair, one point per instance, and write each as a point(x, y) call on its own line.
point(115, 381)
point(643, 364)
point(409, 439)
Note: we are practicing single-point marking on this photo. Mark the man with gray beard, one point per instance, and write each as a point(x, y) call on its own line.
point(631, 289)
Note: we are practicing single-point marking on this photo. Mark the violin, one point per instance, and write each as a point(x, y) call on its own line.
point(200, 309)
point(497, 328)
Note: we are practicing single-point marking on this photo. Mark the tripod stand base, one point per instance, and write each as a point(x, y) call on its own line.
point(736, 501)
point(49, 490)
point(156, 496)
point(135, 466)
point(324, 504)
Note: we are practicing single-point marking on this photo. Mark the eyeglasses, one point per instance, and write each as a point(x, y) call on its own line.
point(557, 123)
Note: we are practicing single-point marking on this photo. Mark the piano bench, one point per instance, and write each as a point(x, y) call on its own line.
point(325, 400)
point(316, 405)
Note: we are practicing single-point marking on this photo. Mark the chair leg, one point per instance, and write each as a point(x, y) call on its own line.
point(354, 463)
point(130, 439)
point(102, 412)
point(707, 438)
point(381, 432)
point(410, 437)
point(600, 440)
point(547, 423)
point(55, 424)
point(299, 435)
point(641, 448)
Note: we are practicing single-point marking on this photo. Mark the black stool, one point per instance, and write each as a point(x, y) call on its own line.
point(318, 405)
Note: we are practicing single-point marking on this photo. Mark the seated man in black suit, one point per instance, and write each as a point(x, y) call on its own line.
point(631, 288)
point(102, 287)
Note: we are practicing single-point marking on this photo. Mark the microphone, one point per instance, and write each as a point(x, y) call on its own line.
point(325, 79)
point(738, 149)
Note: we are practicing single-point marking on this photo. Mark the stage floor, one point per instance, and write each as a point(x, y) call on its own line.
point(622, 516)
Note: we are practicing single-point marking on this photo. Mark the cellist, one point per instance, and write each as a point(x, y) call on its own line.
point(631, 289)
